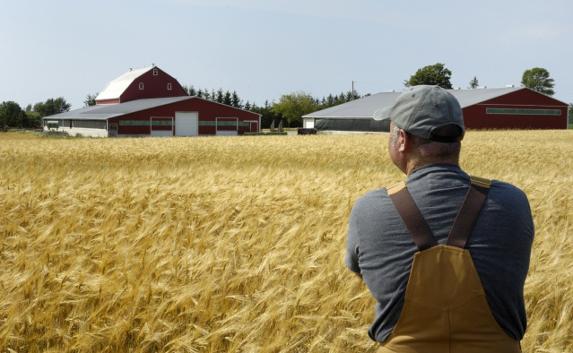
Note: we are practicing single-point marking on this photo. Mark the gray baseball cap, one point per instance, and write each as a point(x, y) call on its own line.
point(420, 110)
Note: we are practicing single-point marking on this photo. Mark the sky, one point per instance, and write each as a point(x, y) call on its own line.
point(266, 48)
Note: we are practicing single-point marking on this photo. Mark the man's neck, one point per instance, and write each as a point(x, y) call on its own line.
point(413, 165)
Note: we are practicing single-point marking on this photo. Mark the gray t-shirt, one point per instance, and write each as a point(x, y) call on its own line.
point(381, 249)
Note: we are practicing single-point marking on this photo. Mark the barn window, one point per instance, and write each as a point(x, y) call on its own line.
point(141, 86)
point(134, 122)
point(90, 124)
point(52, 124)
point(155, 72)
point(160, 121)
point(169, 87)
point(523, 111)
point(226, 124)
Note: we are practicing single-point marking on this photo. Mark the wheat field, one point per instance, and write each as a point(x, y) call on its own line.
point(233, 244)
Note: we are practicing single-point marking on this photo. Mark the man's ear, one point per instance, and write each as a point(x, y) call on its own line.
point(403, 139)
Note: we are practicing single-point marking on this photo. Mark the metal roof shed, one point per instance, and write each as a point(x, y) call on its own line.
point(493, 108)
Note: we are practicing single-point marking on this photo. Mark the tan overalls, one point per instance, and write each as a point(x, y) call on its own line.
point(445, 307)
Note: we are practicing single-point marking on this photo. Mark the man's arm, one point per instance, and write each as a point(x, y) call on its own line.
point(352, 243)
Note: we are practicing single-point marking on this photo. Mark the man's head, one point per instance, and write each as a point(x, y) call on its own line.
point(426, 127)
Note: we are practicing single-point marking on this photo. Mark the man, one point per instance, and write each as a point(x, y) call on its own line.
point(444, 255)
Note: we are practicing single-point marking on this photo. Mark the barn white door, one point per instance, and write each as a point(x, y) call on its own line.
point(186, 123)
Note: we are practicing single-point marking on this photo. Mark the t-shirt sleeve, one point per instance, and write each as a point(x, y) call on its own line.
point(352, 247)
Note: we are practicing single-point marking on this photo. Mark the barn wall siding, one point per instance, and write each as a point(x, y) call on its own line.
point(208, 113)
point(153, 87)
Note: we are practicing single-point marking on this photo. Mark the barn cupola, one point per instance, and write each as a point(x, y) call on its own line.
point(148, 82)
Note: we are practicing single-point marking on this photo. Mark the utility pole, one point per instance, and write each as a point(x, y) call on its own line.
point(352, 88)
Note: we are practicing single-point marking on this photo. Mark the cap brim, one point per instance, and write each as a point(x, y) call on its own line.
point(382, 114)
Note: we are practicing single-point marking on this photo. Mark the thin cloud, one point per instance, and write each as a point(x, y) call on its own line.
point(335, 9)
point(538, 32)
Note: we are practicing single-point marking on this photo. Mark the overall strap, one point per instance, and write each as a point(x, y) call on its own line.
point(468, 214)
point(411, 216)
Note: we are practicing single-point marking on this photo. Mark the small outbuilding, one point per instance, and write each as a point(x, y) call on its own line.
point(150, 102)
point(483, 108)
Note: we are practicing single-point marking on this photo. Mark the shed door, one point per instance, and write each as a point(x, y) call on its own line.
point(308, 123)
point(186, 123)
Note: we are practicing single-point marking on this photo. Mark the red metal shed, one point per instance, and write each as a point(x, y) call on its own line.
point(483, 108)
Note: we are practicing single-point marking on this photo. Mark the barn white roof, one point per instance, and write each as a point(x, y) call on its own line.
point(115, 88)
point(365, 107)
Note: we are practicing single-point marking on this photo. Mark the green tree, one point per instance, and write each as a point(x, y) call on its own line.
point(474, 83)
point(227, 98)
point(330, 101)
point(538, 79)
point(11, 115)
point(352, 95)
point(191, 90)
point(90, 100)
point(436, 74)
point(52, 106)
point(293, 106)
point(571, 115)
point(268, 115)
point(32, 120)
point(235, 100)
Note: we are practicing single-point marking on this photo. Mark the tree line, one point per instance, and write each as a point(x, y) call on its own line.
point(13, 116)
point(536, 78)
point(289, 109)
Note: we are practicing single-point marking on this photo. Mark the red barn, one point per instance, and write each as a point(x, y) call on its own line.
point(483, 108)
point(150, 102)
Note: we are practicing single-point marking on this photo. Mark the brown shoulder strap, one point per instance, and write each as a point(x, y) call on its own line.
point(468, 214)
point(412, 217)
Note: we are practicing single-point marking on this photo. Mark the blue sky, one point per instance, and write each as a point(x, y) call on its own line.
point(266, 48)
